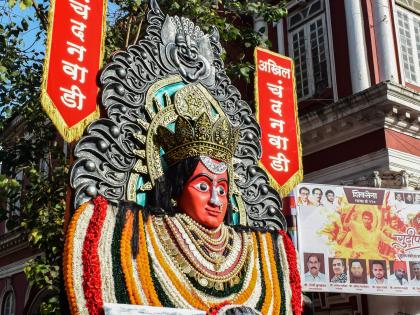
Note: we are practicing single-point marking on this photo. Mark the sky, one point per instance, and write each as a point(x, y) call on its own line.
point(29, 41)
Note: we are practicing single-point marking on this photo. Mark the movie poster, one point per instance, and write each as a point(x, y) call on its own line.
point(358, 240)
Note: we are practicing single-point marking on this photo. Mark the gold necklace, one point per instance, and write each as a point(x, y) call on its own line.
point(186, 261)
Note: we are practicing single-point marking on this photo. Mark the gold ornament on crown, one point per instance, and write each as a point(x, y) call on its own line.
point(200, 137)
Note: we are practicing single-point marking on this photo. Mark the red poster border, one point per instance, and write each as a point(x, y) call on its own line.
point(297, 177)
point(69, 134)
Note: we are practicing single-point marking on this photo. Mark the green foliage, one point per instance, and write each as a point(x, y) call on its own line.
point(36, 204)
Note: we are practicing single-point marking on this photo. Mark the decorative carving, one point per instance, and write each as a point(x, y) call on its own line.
point(172, 46)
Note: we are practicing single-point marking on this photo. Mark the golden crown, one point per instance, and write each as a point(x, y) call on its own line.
point(195, 133)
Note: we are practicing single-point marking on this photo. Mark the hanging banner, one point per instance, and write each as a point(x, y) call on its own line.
point(276, 112)
point(358, 239)
point(76, 32)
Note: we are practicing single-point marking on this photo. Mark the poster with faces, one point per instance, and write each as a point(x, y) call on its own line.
point(358, 239)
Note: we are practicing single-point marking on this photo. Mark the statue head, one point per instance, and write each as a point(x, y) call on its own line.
point(197, 149)
point(197, 186)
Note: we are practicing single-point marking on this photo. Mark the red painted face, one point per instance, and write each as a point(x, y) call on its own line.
point(205, 197)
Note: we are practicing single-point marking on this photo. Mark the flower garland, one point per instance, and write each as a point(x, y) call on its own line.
point(126, 261)
point(121, 291)
point(91, 269)
point(215, 309)
point(68, 258)
point(294, 277)
point(244, 297)
point(286, 275)
point(276, 284)
point(269, 293)
point(169, 288)
point(144, 265)
point(193, 300)
point(281, 265)
point(105, 257)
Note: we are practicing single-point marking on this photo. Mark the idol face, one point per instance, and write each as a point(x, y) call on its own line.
point(205, 197)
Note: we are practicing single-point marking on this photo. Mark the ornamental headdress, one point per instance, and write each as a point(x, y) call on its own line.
point(168, 98)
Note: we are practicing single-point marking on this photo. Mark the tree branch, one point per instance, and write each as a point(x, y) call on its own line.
point(127, 38)
point(140, 24)
point(40, 14)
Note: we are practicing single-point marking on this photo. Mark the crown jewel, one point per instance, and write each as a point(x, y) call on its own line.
point(195, 132)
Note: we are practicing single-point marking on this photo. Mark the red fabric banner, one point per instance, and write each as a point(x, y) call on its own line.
point(276, 111)
point(74, 57)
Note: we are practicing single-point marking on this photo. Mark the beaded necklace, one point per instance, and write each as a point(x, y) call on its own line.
point(191, 257)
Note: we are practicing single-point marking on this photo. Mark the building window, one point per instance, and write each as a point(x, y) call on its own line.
point(309, 49)
point(409, 44)
point(9, 304)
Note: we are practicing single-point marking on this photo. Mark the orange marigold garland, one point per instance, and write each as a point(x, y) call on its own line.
point(267, 278)
point(294, 276)
point(143, 265)
point(91, 267)
point(126, 261)
point(276, 284)
point(242, 298)
point(68, 259)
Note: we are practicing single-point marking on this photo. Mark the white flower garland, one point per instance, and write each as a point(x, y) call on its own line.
point(105, 256)
point(77, 262)
point(256, 294)
point(285, 269)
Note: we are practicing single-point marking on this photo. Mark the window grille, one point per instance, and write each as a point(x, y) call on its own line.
point(409, 44)
point(308, 48)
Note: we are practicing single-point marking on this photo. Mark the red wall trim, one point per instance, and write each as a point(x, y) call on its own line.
point(412, 86)
point(401, 142)
point(372, 53)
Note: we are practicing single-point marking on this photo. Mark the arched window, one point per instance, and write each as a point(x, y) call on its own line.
point(9, 304)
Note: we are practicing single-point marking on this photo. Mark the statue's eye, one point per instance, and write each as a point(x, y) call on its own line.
point(221, 190)
point(202, 186)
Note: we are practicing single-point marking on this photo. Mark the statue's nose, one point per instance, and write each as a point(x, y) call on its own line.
point(214, 200)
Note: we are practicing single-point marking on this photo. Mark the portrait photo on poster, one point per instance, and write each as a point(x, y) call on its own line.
point(315, 267)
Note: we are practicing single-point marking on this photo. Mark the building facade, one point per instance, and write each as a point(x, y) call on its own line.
point(357, 67)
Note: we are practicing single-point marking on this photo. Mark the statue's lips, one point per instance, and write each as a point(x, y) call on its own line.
point(213, 211)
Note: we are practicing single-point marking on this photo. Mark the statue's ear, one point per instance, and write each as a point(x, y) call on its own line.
point(204, 48)
point(168, 31)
